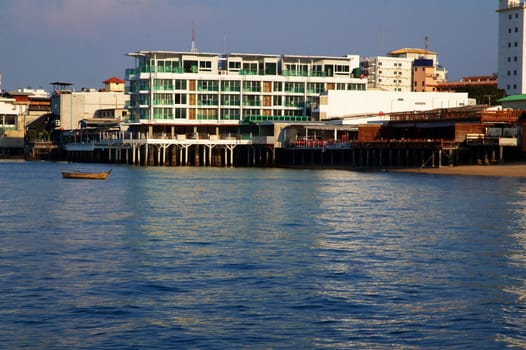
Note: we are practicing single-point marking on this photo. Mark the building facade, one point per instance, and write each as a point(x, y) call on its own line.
point(191, 88)
point(388, 73)
point(512, 44)
point(354, 104)
point(427, 72)
point(70, 107)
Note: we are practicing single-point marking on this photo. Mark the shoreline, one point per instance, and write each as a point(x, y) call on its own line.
point(497, 170)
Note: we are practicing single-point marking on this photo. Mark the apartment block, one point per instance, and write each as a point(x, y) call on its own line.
point(388, 73)
point(195, 88)
point(512, 44)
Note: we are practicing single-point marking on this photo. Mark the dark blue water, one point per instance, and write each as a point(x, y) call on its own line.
point(163, 258)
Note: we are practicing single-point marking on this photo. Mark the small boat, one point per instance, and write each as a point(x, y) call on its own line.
point(77, 174)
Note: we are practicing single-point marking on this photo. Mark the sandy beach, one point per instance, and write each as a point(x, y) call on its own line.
point(510, 170)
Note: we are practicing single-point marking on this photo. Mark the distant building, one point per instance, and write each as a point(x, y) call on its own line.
point(388, 73)
point(114, 84)
point(70, 108)
point(483, 80)
point(427, 72)
point(18, 109)
point(512, 44)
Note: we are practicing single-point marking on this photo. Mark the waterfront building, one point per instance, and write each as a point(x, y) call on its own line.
point(18, 109)
point(512, 45)
point(193, 88)
point(350, 106)
point(71, 108)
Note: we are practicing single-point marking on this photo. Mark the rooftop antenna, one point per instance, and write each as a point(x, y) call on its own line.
point(194, 49)
point(426, 43)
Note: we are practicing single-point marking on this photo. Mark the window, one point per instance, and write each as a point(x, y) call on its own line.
point(516, 30)
point(515, 58)
point(180, 113)
point(230, 100)
point(509, 73)
point(232, 65)
point(252, 86)
point(180, 99)
point(516, 44)
point(207, 100)
point(230, 114)
point(341, 69)
point(208, 85)
point(509, 44)
point(251, 68)
point(509, 59)
point(180, 84)
point(205, 65)
point(514, 72)
point(509, 31)
point(162, 113)
point(231, 85)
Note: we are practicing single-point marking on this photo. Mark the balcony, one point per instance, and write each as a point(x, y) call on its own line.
point(248, 72)
point(284, 118)
point(295, 73)
point(207, 103)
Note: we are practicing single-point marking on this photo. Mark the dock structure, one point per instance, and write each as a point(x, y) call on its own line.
point(174, 150)
point(427, 139)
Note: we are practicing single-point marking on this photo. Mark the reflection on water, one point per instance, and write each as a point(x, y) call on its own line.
point(260, 258)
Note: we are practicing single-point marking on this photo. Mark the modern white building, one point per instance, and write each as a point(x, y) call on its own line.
point(388, 73)
point(349, 104)
point(512, 45)
point(193, 88)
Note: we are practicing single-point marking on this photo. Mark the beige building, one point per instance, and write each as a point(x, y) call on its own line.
point(70, 107)
point(427, 72)
point(388, 73)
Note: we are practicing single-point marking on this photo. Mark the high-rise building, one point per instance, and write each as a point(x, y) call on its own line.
point(511, 60)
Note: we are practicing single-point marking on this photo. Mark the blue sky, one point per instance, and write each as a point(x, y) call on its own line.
point(86, 41)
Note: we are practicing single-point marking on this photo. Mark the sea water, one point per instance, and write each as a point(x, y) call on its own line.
point(217, 258)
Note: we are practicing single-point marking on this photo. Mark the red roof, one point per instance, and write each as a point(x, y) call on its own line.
point(113, 80)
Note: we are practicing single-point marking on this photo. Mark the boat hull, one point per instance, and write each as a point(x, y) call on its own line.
point(86, 176)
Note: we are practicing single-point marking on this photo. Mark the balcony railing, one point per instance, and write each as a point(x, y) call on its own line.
point(262, 118)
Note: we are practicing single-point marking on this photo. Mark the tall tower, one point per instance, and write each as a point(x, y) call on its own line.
point(512, 46)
